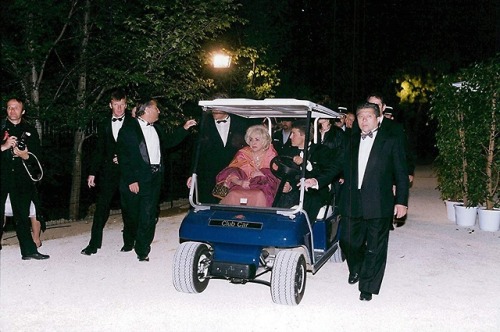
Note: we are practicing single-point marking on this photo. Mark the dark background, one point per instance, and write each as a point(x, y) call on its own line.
point(330, 51)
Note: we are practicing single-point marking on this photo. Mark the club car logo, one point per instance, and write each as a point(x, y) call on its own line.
point(235, 223)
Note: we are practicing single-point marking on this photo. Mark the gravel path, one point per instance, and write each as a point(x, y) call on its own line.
point(439, 277)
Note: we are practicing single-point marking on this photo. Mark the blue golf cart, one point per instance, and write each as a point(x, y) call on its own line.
point(243, 244)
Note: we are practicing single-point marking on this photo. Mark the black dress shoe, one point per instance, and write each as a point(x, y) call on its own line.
point(143, 258)
point(89, 250)
point(399, 223)
point(365, 296)
point(353, 278)
point(126, 248)
point(36, 256)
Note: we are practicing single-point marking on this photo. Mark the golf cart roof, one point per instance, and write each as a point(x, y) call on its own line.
point(271, 107)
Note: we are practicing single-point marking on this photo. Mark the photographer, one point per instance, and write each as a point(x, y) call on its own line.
point(20, 143)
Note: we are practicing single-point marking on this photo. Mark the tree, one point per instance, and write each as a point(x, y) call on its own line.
point(34, 32)
point(87, 48)
point(468, 166)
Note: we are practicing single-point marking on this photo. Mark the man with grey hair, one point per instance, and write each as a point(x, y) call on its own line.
point(141, 153)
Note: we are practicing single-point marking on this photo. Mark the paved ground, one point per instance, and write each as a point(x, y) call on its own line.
point(439, 277)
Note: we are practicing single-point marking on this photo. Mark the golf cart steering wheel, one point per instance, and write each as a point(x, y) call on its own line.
point(284, 168)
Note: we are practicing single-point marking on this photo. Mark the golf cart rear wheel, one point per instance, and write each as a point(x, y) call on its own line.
point(191, 264)
point(288, 278)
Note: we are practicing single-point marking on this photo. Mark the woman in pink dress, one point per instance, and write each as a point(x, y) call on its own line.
point(249, 176)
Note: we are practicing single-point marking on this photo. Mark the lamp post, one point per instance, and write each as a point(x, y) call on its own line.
point(222, 61)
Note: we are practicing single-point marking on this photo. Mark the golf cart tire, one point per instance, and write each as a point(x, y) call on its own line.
point(288, 278)
point(191, 267)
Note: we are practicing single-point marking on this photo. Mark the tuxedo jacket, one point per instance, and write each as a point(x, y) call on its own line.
point(133, 155)
point(334, 138)
point(278, 140)
point(397, 128)
point(324, 166)
point(386, 166)
point(105, 150)
point(213, 154)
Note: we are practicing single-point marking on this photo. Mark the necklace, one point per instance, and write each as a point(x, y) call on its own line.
point(257, 160)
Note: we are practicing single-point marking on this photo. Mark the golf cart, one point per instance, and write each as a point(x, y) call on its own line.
point(241, 243)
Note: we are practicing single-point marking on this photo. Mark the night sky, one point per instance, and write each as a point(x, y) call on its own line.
point(345, 49)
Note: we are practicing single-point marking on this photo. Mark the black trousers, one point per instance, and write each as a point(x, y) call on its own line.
point(364, 243)
point(142, 211)
point(20, 199)
point(109, 186)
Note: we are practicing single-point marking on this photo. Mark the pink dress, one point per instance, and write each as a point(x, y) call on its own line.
point(262, 187)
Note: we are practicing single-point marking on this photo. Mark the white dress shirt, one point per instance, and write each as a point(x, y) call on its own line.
point(116, 126)
point(223, 129)
point(286, 134)
point(365, 147)
point(152, 142)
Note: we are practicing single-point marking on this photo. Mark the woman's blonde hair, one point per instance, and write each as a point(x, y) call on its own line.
point(260, 130)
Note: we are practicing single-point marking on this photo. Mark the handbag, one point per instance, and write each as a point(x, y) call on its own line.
point(220, 190)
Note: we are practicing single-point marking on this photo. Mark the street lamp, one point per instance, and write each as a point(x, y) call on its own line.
point(220, 60)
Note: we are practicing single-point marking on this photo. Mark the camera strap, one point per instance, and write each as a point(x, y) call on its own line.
point(29, 173)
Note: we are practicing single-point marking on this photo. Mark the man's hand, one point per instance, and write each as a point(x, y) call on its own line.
point(298, 160)
point(310, 183)
point(21, 153)
point(287, 187)
point(10, 142)
point(400, 210)
point(91, 181)
point(189, 124)
point(134, 187)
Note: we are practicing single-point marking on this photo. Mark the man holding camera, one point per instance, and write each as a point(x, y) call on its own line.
point(20, 143)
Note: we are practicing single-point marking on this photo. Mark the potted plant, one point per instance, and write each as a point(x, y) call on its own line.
point(486, 77)
point(467, 137)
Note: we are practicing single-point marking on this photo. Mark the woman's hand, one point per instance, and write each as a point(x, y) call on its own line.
point(256, 174)
point(245, 184)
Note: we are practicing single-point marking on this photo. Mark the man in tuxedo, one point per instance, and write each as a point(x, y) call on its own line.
point(20, 148)
point(388, 123)
point(104, 168)
point(141, 146)
point(374, 161)
point(349, 120)
point(323, 164)
point(281, 137)
point(222, 135)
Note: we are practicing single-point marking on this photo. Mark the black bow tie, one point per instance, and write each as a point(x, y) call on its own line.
point(221, 121)
point(368, 134)
point(117, 119)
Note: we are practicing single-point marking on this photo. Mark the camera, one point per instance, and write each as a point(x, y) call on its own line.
point(21, 142)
